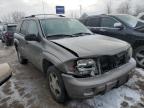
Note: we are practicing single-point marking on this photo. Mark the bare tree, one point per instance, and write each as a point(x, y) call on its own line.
point(84, 15)
point(6, 18)
point(13, 17)
point(139, 9)
point(16, 16)
point(108, 7)
point(124, 8)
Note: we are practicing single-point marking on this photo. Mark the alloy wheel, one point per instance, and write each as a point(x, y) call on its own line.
point(140, 57)
point(54, 84)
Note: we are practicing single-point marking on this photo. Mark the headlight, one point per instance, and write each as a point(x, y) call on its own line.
point(87, 66)
point(130, 52)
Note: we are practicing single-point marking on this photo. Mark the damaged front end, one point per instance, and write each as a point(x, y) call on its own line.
point(90, 67)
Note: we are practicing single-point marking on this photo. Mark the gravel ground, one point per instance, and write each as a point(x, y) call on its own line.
point(28, 89)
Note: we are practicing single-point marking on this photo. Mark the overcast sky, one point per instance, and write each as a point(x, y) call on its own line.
point(36, 6)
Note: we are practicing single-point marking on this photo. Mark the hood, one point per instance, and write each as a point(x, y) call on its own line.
point(92, 45)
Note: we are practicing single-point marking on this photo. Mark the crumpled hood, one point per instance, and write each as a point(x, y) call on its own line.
point(92, 45)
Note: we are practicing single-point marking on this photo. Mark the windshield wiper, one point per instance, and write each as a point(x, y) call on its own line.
point(82, 33)
point(59, 35)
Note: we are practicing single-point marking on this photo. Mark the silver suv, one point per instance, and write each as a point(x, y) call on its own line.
point(77, 63)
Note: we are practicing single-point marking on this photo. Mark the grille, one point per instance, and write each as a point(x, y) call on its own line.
point(107, 63)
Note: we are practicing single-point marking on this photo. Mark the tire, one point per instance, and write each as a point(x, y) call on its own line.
point(21, 59)
point(58, 95)
point(139, 56)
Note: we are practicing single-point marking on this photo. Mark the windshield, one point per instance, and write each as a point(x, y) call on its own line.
point(11, 28)
point(63, 26)
point(131, 20)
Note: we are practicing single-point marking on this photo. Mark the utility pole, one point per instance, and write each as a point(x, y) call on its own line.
point(43, 7)
point(80, 10)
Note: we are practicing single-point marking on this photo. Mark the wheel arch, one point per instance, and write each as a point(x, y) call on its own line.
point(48, 60)
point(46, 64)
point(16, 44)
point(138, 43)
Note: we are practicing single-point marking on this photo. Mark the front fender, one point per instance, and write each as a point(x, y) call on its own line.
point(51, 58)
point(16, 42)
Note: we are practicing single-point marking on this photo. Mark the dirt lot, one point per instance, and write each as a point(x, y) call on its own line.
point(28, 89)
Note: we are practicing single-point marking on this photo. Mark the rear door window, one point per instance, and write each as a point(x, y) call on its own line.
point(93, 22)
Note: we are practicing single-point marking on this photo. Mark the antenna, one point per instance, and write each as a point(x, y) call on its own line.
point(43, 6)
point(80, 10)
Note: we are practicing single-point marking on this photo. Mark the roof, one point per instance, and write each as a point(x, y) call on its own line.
point(107, 15)
point(44, 16)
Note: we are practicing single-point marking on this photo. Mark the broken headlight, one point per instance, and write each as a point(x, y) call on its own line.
point(87, 66)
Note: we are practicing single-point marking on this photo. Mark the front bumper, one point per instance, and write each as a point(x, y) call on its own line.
point(88, 87)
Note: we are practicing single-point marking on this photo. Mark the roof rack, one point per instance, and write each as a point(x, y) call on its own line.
point(44, 15)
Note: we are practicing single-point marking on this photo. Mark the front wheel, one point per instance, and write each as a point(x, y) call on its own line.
point(139, 56)
point(56, 85)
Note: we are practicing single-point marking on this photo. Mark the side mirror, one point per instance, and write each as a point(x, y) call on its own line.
point(118, 25)
point(31, 37)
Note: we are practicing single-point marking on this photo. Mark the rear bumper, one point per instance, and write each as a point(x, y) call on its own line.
point(88, 87)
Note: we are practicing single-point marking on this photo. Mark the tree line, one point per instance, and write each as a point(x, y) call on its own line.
point(125, 7)
point(12, 17)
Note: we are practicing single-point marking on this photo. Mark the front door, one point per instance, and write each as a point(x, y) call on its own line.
point(34, 48)
point(107, 28)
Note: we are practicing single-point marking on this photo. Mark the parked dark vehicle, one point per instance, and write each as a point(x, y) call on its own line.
point(141, 16)
point(77, 63)
point(124, 27)
point(8, 33)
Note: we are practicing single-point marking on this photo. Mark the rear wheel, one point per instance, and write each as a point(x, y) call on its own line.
point(56, 85)
point(139, 56)
point(21, 59)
